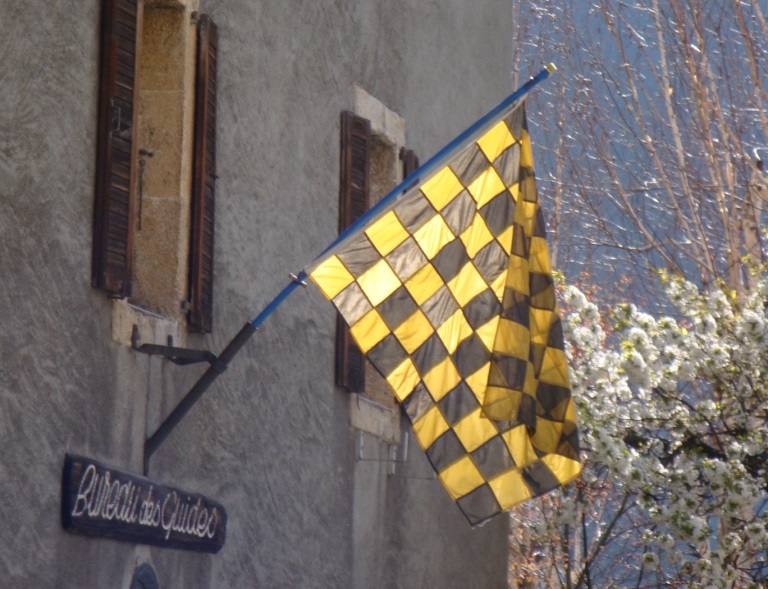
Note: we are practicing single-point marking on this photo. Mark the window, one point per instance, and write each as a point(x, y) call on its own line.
point(153, 225)
point(372, 162)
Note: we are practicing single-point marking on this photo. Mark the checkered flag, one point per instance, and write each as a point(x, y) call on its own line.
point(448, 292)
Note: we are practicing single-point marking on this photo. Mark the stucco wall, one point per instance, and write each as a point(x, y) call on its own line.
point(271, 439)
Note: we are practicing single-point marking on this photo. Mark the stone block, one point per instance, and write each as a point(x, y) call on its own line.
point(160, 246)
point(375, 419)
point(161, 131)
point(164, 48)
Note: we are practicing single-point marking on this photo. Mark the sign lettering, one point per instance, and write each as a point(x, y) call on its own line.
point(98, 500)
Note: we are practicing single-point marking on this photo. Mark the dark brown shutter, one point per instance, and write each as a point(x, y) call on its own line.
point(204, 181)
point(410, 162)
point(353, 203)
point(112, 258)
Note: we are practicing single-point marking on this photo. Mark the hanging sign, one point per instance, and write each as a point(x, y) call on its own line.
point(99, 500)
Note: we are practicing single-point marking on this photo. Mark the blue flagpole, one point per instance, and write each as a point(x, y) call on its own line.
point(296, 281)
point(438, 160)
point(219, 364)
point(425, 170)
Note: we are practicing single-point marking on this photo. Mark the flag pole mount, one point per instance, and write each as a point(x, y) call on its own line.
point(299, 278)
point(218, 364)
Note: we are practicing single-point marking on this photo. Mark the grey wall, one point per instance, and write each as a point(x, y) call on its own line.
point(271, 440)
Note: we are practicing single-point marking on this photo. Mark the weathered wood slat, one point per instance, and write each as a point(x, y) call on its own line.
point(200, 316)
point(116, 154)
point(354, 189)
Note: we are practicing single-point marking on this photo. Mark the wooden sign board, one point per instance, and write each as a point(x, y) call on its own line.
point(99, 500)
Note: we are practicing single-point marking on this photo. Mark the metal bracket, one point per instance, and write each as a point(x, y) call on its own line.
point(180, 356)
point(218, 364)
point(392, 459)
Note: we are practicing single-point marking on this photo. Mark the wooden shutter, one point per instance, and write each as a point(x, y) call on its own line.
point(353, 203)
point(410, 162)
point(112, 257)
point(204, 180)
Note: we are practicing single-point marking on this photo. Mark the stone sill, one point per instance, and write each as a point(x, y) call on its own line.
point(153, 328)
point(375, 419)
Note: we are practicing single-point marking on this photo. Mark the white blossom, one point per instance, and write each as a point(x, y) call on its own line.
point(574, 299)
point(732, 542)
point(672, 412)
point(651, 560)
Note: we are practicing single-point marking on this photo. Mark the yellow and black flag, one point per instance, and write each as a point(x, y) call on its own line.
point(448, 291)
